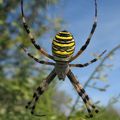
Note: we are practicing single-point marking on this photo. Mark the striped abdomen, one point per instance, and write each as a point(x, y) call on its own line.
point(63, 46)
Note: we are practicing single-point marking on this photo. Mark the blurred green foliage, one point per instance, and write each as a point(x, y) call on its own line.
point(105, 114)
point(20, 76)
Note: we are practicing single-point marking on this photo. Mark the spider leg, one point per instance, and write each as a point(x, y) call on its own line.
point(90, 107)
point(88, 63)
point(89, 37)
point(40, 90)
point(31, 36)
point(37, 60)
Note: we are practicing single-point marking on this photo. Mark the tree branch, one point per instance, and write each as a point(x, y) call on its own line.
point(91, 76)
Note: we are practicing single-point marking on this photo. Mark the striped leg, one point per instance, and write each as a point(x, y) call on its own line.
point(89, 37)
point(31, 36)
point(37, 60)
point(90, 107)
point(40, 90)
point(86, 64)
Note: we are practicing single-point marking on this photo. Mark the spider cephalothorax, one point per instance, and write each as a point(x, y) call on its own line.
point(63, 47)
point(61, 70)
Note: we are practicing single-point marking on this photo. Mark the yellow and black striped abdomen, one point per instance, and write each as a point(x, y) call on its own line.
point(63, 46)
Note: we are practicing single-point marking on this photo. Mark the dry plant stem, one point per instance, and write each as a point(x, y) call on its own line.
point(91, 76)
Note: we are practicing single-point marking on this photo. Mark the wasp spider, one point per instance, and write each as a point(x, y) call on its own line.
point(63, 46)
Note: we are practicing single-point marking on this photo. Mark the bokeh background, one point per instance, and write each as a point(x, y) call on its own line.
point(20, 75)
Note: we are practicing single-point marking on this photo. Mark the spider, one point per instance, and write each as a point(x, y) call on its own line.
point(63, 46)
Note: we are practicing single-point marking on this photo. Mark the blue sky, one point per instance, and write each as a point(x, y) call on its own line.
point(78, 16)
